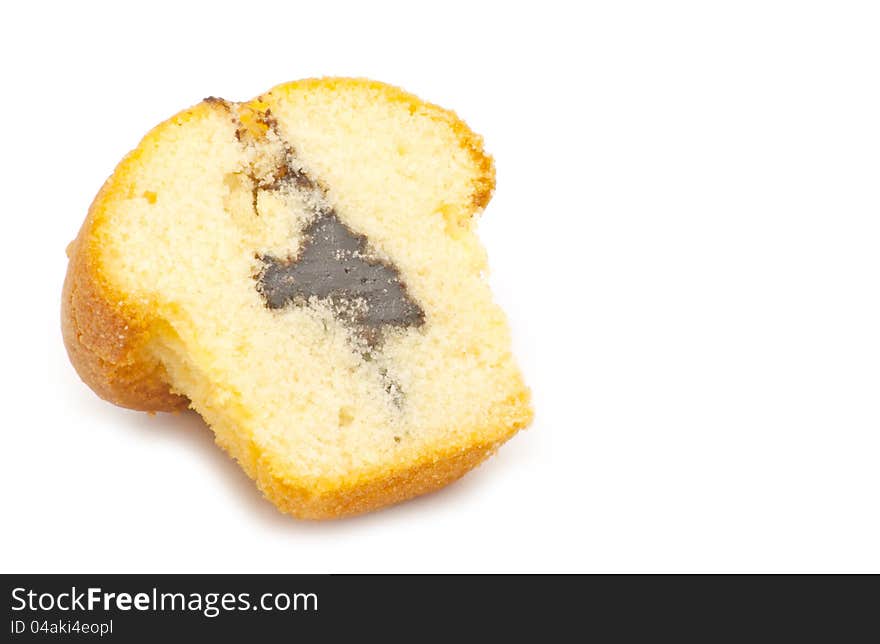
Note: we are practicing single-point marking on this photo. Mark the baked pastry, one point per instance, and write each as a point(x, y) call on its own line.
point(303, 270)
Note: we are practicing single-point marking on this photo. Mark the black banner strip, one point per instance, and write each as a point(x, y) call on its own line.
point(134, 608)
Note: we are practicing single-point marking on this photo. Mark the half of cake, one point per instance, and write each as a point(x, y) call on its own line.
point(303, 270)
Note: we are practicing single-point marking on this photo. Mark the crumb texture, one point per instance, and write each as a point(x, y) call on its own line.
point(303, 269)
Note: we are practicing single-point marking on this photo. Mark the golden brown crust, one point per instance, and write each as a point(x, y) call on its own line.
point(107, 336)
point(104, 332)
point(432, 473)
point(104, 338)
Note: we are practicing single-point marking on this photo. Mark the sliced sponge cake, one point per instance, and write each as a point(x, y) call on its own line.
point(303, 270)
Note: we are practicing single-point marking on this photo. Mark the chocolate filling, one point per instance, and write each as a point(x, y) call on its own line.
point(333, 266)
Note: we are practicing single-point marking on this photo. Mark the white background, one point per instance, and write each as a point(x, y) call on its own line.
point(685, 236)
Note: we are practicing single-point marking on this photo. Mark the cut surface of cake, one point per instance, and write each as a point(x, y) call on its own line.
point(303, 270)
